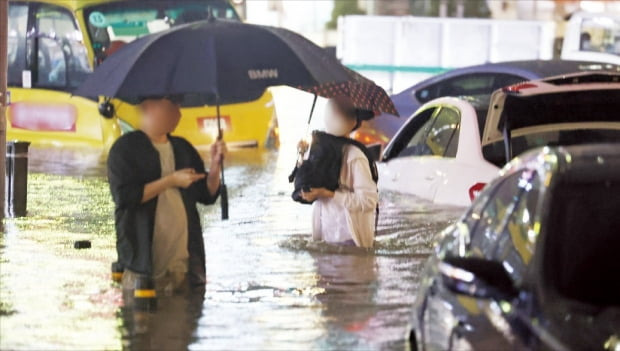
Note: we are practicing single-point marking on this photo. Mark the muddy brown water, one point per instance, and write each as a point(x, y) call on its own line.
point(270, 287)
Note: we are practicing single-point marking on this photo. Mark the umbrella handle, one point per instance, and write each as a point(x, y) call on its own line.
point(223, 188)
point(224, 201)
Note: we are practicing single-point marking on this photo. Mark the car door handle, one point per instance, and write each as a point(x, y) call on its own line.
point(429, 178)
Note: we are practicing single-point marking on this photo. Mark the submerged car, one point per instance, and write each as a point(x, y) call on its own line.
point(479, 81)
point(450, 148)
point(532, 264)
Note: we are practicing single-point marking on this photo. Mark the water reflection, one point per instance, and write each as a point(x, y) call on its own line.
point(349, 284)
point(170, 327)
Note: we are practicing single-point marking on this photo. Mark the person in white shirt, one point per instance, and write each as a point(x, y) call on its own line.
point(345, 216)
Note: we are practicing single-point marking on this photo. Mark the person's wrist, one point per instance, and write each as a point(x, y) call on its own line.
point(215, 164)
point(327, 193)
point(169, 181)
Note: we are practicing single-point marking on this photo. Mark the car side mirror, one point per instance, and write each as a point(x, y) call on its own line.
point(375, 151)
point(476, 277)
point(106, 109)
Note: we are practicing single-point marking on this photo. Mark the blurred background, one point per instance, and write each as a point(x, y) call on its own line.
point(389, 55)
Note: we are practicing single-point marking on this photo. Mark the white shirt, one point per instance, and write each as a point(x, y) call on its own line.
point(169, 249)
point(350, 214)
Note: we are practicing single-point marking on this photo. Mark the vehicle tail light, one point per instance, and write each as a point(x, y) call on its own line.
point(475, 190)
point(515, 88)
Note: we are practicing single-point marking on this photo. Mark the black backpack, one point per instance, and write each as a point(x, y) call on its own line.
point(322, 168)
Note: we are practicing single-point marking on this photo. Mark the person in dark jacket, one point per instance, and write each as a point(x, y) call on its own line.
point(156, 180)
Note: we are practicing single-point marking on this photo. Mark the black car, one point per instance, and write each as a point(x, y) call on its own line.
point(535, 261)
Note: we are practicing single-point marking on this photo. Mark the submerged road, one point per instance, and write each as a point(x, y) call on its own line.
point(269, 286)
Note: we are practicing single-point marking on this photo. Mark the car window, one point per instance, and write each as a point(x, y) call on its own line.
point(443, 138)
point(111, 25)
point(515, 246)
point(417, 146)
point(18, 21)
point(438, 136)
point(413, 126)
point(580, 256)
point(494, 214)
point(467, 85)
point(62, 60)
point(600, 35)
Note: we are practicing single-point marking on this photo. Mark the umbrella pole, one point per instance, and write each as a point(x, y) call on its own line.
point(311, 113)
point(223, 189)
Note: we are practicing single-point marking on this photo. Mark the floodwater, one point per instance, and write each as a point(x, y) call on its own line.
point(269, 286)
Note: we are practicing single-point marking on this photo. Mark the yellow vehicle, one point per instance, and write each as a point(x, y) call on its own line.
point(54, 45)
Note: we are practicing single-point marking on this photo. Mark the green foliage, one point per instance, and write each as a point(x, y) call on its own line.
point(343, 8)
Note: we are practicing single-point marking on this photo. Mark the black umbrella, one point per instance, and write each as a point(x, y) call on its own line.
point(222, 61)
point(213, 62)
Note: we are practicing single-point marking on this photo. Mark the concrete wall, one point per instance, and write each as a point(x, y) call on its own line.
point(397, 52)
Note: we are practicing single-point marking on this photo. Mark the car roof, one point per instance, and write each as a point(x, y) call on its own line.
point(585, 14)
point(75, 5)
point(538, 68)
point(599, 90)
point(528, 69)
point(582, 81)
point(72, 5)
point(547, 68)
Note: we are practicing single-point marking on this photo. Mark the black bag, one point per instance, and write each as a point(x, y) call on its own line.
point(322, 168)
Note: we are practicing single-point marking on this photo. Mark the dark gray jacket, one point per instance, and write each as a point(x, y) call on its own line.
point(132, 163)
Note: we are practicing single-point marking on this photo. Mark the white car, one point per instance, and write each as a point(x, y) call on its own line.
point(447, 151)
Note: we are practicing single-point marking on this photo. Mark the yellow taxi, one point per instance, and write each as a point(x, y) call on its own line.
point(54, 45)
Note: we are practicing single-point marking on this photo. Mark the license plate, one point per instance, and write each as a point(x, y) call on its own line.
point(209, 124)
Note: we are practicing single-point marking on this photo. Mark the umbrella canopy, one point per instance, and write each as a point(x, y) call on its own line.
point(219, 61)
point(214, 59)
point(363, 92)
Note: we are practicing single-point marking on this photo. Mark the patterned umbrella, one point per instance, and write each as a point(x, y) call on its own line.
point(363, 92)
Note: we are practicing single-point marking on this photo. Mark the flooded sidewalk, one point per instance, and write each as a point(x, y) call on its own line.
point(269, 286)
